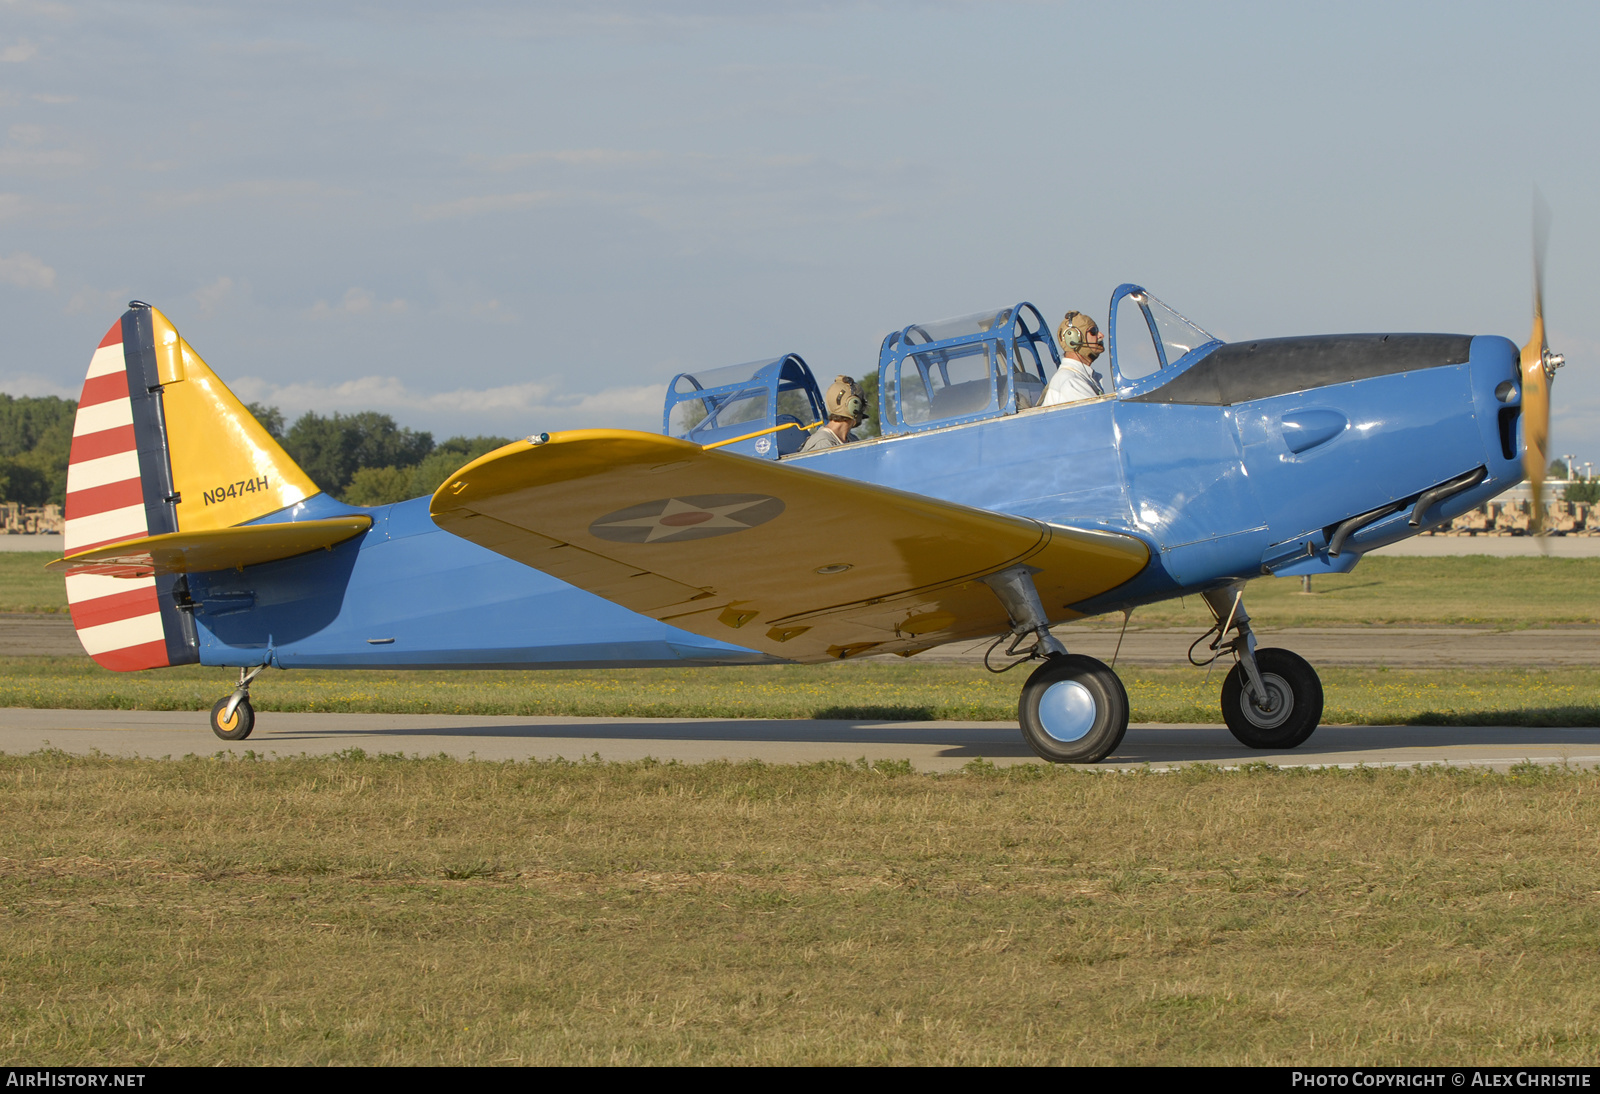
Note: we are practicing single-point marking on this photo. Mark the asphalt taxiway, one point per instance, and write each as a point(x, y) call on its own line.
point(929, 746)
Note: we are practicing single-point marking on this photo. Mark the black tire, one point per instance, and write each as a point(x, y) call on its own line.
point(1296, 701)
point(243, 721)
point(1073, 710)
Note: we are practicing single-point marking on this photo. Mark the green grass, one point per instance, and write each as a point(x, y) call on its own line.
point(26, 586)
point(356, 909)
point(859, 690)
point(1516, 592)
point(1506, 592)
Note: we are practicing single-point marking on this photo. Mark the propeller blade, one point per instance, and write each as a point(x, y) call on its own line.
point(1535, 421)
point(1541, 242)
point(1536, 378)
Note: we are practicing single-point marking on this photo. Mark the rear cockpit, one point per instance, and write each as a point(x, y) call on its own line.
point(763, 408)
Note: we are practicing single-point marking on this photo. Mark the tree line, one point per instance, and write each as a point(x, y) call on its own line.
point(365, 459)
point(35, 437)
point(361, 459)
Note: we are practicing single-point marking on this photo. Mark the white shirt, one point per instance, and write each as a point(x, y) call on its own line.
point(1072, 382)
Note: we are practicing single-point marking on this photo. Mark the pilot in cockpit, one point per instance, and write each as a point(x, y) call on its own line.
point(847, 408)
point(1081, 342)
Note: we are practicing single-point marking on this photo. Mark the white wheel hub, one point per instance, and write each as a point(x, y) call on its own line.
point(1067, 711)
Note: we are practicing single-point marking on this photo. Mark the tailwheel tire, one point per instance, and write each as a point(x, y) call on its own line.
point(1294, 701)
point(239, 726)
point(1073, 710)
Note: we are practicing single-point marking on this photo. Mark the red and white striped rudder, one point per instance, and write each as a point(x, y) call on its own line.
point(116, 485)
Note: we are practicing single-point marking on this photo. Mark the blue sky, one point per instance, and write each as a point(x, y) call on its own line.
point(514, 217)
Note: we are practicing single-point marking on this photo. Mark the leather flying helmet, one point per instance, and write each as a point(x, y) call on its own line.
point(1074, 336)
point(845, 400)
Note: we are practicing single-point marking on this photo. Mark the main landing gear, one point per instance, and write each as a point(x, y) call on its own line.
point(232, 718)
point(1074, 709)
point(1272, 698)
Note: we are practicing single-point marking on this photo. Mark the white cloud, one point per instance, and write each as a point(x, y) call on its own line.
point(30, 384)
point(574, 157)
point(98, 301)
point(52, 100)
point(357, 301)
point(517, 409)
point(486, 203)
point(61, 13)
point(249, 190)
point(213, 296)
point(27, 150)
point(262, 47)
point(19, 51)
point(26, 159)
point(650, 21)
point(492, 311)
point(26, 272)
point(713, 197)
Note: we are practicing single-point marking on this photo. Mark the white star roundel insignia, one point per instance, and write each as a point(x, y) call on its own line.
point(698, 516)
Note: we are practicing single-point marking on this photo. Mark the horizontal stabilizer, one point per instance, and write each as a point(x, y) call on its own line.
point(214, 549)
point(795, 563)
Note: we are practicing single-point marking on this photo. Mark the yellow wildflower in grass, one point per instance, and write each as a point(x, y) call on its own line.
point(860, 691)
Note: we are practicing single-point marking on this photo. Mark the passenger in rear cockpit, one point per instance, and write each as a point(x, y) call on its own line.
point(1081, 342)
point(847, 408)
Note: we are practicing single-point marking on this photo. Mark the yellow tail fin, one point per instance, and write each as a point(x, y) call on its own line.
point(226, 469)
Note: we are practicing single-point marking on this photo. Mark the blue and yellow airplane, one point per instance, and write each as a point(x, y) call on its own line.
point(192, 537)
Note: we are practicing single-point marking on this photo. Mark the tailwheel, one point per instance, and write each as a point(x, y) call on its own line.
point(235, 726)
point(1073, 710)
point(1292, 706)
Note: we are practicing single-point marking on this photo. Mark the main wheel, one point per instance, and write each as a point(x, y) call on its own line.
point(1073, 710)
point(239, 726)
point(1294, 701)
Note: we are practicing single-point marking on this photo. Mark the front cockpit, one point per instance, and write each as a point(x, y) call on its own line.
point(932, 375)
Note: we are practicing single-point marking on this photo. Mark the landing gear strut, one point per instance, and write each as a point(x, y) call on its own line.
point(1272, 698)
point(1073, 709)
point(232, 718)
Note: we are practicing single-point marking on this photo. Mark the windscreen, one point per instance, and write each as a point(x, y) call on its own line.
point(1136, 347)
point(718, 377)
point(1178, 335)
point(960, 327)
point(1150, 335)
point(737, 408)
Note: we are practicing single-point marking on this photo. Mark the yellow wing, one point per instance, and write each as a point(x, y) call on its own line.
point(797, 564)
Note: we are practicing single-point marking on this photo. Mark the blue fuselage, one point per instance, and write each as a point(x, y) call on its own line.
point(1221, 490)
